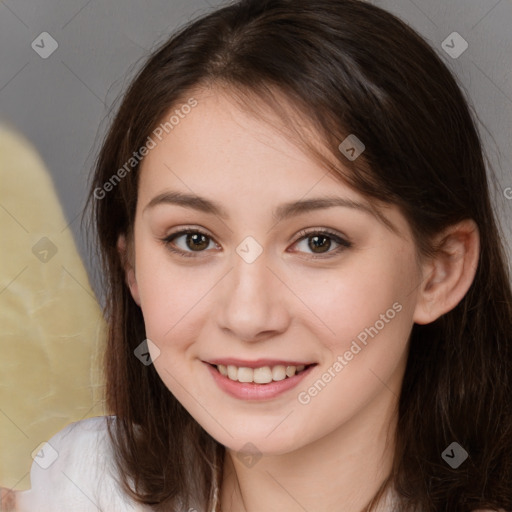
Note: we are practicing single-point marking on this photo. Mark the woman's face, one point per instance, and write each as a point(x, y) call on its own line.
point(260, 286)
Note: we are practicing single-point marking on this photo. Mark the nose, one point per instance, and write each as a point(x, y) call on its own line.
point(252, 305)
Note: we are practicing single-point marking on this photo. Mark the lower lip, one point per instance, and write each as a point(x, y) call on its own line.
point(252, 391)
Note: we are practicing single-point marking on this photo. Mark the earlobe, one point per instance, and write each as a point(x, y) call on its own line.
point(129, 271)
point(448, 275)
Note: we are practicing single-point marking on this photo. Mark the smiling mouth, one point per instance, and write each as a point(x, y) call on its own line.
point(262, 375)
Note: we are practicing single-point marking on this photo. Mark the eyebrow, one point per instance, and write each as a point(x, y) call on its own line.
point(282, 212)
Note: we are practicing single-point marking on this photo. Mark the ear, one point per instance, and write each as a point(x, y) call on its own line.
point(447, 276)
point(125, 253)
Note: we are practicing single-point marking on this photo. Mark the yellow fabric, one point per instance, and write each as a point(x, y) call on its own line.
point(52, 329)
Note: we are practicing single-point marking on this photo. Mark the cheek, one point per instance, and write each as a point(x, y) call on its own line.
point(370, 311)
point(371, 293)
point(164, 295)
point(167, 304)
point(173, 297)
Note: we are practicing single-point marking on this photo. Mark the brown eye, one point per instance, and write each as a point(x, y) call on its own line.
point(196, 241)
point(193, 241)
point(320, 241)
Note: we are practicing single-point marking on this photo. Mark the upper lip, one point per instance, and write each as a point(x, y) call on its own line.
point(256, 364)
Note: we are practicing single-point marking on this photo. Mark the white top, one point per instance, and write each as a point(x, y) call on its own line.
point(74, 472)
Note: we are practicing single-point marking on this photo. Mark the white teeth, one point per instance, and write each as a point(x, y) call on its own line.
point(262, 375)
point(245, 374)
point(290, 371)
point(279, 372)
point(232, 372)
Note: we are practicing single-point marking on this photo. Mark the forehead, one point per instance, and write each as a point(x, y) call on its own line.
point(222, 159)
point(218, 144)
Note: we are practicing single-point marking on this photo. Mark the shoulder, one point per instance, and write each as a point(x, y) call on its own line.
point(79, 447)
point(74, 471)
point(72, 440)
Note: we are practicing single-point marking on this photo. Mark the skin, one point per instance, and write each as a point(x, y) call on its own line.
point(334, 452)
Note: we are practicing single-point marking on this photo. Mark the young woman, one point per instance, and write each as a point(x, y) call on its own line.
point(308, 301)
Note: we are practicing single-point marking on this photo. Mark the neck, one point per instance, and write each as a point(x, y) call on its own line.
point(342, 471)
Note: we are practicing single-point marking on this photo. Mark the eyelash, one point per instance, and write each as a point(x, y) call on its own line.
point(304, 234)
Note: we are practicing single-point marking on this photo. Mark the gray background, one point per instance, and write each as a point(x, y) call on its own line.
point(63, 103)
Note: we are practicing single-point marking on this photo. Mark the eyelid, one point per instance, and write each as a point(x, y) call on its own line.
point(320, 230)
point(183, 230)
point(338, 238)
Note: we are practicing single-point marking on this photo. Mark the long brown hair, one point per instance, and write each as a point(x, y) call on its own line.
point(347, 67)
